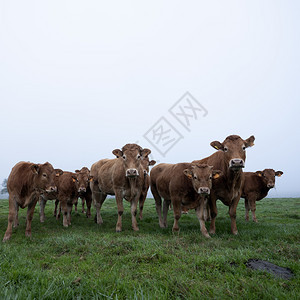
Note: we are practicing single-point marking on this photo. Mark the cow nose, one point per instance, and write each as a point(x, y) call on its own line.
point(82, 190)
point(237, 163)
point(270, 185)
point(132, 173)
point(204, 190)
point(51, 189)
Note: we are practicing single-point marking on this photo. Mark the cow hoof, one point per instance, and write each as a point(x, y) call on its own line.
point(235, 232)
point(212, 231)
point(118, 230)
point(135, 229)
point(6, 238)
point(28, 234)
point(255, 221)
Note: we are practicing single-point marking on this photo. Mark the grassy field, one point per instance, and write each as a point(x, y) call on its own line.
point(91, 261)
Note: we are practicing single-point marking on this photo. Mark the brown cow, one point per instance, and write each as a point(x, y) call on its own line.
point(122, 177)
point(25, 184)
point(185, 185)
point(256, 187)
point(67, 195)
point(146, 163)
point(230, 159)
point(84, 178)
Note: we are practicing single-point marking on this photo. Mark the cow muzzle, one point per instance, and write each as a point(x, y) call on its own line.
point(51, 189)
point(270, 185)
point(132, 173)
point(82, 190)
point(203, 191)
point(236, 163)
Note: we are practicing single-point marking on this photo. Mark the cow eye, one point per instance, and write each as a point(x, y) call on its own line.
point(210, 177)
point(124, 156)
point(44, 175)
point(244, 148)
point(195, 177)
point(138, 156)
point(225, 149)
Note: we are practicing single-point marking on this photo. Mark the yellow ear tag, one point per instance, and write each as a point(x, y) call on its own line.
point(74, 180)
point(91, 179)
point(259, 174)
point(216, 147)
point(216, 176)
point(279, 175)
point(189, 176)
point(57, 174)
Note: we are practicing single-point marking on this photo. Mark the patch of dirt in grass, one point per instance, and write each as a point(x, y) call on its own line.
point(257, 264)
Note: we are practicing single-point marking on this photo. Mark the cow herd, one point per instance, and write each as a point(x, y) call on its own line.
point(183, 186)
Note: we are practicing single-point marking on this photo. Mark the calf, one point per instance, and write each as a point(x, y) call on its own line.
point(84, 191)
point(25, 184)
point(67, 195)
point(146, 163)
point(122, 177)
point(230, 159)
point(256, 187)
point(186, 186)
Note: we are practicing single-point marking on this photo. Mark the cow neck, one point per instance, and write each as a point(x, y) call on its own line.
point(232, 177)
point(133, 184)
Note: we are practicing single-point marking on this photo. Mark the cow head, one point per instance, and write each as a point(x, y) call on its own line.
point(268, 176)
point(201, 177)
point(131, 155)
point(84, 178)
point(234, 148)
point(146, 163)
point(44, 176)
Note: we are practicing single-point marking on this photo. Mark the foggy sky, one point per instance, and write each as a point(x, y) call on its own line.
point(81, 78)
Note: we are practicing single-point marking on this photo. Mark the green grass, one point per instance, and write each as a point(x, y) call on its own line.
point(90, 261)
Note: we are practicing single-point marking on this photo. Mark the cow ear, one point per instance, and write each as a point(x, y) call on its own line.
point(91, 178)
point(216, 174)
point(145, 152)
point(152, 162)
point(188, 173)
point(278, 173)
point(249, 142)
point(35, 169)
point(77, 171)
point(58, 172)
point(117, 152)
point(259, 173)
point(217, 145)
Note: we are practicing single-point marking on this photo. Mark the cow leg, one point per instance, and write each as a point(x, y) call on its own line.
point(75, 204)
point(201, 217)
point(64, 211)
point(56, 213)
point(30, 212)
point(252, 203)
point(246, 209)
point(82, 200)
point(119, 200)
point(69, 210)
point(88, 200)
point(213, 213)
point(98, 201)
point(158, 202)
point(177, 213)
point(16, 220)
point(42, 209)
point(134, 203)
point(166, 206)
point(232, 214)
point(11, 217)
point(141, 204)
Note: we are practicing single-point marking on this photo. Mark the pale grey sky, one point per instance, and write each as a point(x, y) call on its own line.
point(81, 78)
